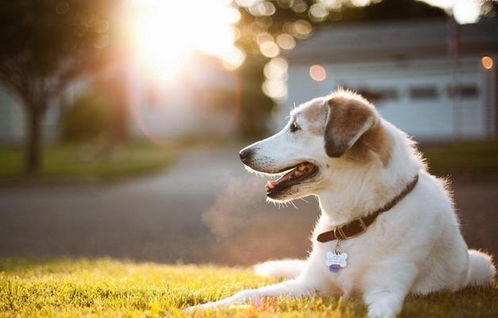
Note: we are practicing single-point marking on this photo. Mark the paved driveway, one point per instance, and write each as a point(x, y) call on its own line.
point(204, 209)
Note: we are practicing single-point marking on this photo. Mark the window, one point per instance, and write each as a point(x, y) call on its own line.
point(463, 91)
point(419, 93)
point(377, 95)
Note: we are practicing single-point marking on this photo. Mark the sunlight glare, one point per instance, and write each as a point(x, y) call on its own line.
point(167, 32)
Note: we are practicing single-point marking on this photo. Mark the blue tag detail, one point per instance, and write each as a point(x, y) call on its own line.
point(334, 268)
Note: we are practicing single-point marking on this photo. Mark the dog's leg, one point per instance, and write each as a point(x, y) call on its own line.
point(386, 290)
point(290, 288)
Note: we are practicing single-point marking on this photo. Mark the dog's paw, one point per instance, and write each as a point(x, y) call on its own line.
point(191, 309)
point(205, 306)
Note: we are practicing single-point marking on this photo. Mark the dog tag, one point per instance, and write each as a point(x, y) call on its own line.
point(335, 261)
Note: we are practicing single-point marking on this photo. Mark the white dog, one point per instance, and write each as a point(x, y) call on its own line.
point(387, 227)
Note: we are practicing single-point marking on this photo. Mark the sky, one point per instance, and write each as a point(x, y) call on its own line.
point(464, 11)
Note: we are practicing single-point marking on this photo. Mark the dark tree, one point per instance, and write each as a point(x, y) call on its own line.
point(254, 22)
point(389, 10)
point(46, 44)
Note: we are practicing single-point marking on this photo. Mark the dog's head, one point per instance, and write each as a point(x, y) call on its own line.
point(337, 132)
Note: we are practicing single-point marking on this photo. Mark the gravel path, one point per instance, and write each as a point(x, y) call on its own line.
point(204, 209)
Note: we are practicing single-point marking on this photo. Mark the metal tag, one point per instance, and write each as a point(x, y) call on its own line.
point(335, 261)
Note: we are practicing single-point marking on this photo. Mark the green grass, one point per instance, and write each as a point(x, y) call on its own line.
point(463, 157)
point(79, 162)
point(69, 288)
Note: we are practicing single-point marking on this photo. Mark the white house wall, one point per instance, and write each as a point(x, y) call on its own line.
point(436, 119)
point(11, 119)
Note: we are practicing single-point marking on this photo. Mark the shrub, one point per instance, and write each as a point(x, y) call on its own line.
point(87, 118)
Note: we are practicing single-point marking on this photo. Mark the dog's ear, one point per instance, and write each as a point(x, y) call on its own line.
point(347, 120)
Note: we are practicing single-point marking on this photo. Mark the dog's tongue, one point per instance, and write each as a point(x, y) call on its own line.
point(294, 173)
point(272, 184)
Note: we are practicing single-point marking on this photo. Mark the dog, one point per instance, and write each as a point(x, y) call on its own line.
point(387, 227)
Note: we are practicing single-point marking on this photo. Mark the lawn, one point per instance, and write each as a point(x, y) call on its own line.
point(477, 157)
point(110, 288)
point(76, 162)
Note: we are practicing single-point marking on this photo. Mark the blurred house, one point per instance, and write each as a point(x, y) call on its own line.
point(201, 100)
point(11, 118)
point(427, 77)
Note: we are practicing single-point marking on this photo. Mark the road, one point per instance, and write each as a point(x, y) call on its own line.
point(206, 208)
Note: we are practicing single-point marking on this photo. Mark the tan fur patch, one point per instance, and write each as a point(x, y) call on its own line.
point(348, 116)
point(378, 141)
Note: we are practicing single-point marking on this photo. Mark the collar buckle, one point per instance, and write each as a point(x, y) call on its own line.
point(342, 235)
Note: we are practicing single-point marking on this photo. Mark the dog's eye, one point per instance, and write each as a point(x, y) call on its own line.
point(294, 127)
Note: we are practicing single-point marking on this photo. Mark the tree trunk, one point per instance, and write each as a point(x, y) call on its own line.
point(120, 133)
point(33, 149)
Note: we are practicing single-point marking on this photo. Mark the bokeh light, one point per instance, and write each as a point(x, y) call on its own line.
point(299, 6)
point(275, 89)
point(332, 4)
point(247, 3)
point(261, 9)
point(318, 73)
point(285, 3)
point(275, 84)
point(301, 29)
point(361, 3)
point(286, 41)
point(263, 37)
point(269, 49)
point(318, 12)
point(276, 69)
point(487, 62)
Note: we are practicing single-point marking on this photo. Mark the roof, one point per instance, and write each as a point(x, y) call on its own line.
point(395, 40)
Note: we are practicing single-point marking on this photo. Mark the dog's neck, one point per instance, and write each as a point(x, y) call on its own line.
point(357, 192)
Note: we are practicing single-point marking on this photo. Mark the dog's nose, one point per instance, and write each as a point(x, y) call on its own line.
point(245, 154)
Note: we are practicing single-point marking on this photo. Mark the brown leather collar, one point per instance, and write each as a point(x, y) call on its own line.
point(358, 226)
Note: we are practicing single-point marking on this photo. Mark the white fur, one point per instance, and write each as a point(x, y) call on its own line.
point(416, 247)
point(286, 268)
point(481, 269)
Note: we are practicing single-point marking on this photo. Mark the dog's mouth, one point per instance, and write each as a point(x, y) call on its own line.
point(294, 175)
